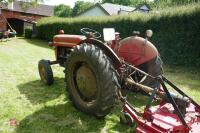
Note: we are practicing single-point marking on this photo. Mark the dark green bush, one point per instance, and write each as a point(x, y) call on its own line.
point(28, 33)
point(1, 35)
point(176, 30)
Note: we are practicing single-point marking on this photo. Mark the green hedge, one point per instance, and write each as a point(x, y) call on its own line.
point(176, 31)
point(28, 33)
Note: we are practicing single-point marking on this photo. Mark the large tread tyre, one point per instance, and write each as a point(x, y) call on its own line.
point(45, 72)
point(154, 68)
point(91, 80)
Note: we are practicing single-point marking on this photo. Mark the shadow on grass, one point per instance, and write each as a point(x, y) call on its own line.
point(63, 118)
point(37, 92)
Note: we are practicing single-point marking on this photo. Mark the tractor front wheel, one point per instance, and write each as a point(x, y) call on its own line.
point(91, 80)
point(45, 71)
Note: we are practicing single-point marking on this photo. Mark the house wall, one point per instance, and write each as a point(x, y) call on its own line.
point(96, 11)
point(2, 23)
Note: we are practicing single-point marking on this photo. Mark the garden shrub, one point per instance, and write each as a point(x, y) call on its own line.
point(28, 33)
point(176, 30)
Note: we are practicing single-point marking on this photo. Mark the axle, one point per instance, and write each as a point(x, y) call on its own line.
point(53, 62)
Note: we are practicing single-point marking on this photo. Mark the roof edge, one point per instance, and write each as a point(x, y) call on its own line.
point(95, 5)
point(25, 12)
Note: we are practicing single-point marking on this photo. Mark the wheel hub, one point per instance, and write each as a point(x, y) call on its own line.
point(43, 74)
point(86, 82)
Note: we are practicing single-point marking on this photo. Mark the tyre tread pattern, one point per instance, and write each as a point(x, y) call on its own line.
point(108, 82)
point(48, 71)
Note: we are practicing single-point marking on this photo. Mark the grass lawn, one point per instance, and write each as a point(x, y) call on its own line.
point(46, 109)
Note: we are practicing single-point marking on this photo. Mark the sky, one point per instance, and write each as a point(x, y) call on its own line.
point(66, 2)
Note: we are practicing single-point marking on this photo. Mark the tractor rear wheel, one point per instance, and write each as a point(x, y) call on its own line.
point(91, 80)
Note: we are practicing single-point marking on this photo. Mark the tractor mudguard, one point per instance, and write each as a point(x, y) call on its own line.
point(108, 51)
point(136, 50)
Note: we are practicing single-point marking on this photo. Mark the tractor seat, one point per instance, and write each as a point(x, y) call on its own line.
point(68, 40)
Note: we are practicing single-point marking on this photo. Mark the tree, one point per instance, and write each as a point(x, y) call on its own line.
point(31, 1)
point(126, 2)
point(27, 3)
point(5, 1)
point(165, 3)
point(81, 6)
point(62, 11)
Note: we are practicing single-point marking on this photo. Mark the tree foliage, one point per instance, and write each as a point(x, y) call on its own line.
point(168, 3)
point(66, 11)
point(154, 3)
point(26, 3)
point(62, 10)
point(31, 1)
point(81, 6)
point(126, 2)
point(176, 30)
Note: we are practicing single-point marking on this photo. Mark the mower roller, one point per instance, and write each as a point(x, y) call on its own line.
point(97, 73)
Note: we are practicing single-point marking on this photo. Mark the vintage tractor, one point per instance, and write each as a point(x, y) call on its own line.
point(97, 73)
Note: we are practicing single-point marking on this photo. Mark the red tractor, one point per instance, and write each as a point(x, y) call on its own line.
point(97, 72)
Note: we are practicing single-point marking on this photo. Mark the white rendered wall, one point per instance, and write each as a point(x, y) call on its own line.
point(96, 11)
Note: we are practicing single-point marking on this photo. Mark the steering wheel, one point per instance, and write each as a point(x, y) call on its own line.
point(90, 33)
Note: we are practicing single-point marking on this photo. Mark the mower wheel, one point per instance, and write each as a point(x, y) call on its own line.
point(126, 119)
point(45, 71)
point(91, 80)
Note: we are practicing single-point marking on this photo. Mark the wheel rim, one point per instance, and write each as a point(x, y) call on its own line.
point(43, 74)
point(86, 83)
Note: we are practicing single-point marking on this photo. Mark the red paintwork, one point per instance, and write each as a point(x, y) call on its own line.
point(158, 119)
point(161, 119)
point(135, 50)
point(67, 40)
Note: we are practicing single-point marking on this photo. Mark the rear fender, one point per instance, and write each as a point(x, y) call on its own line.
point(108, 51)
point(136, 50)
